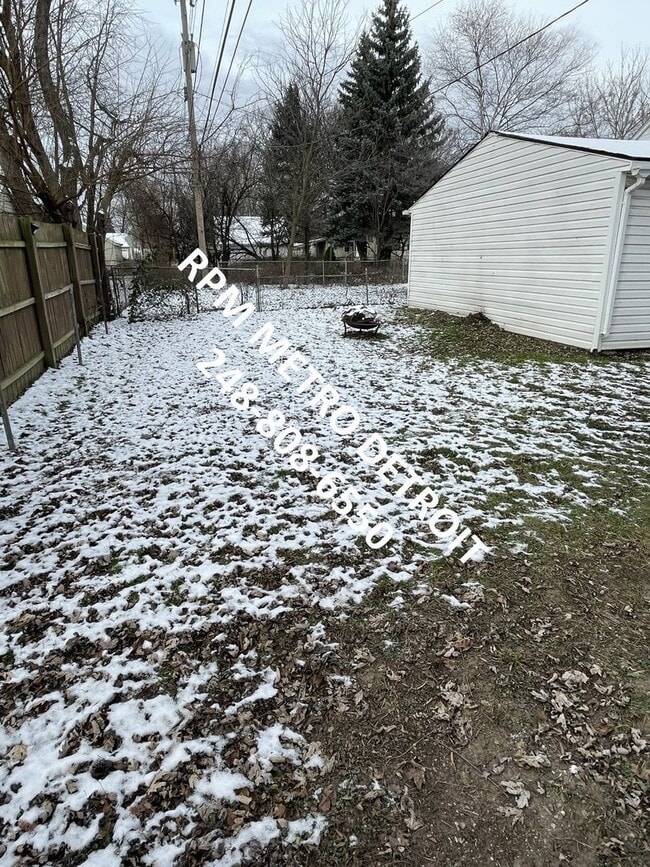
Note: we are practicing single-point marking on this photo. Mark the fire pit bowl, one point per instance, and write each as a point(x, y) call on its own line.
point(360, 319)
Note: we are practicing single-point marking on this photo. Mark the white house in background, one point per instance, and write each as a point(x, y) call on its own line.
point(121, 247)
point(6, 205)
point(546, 236)
point(249, 240)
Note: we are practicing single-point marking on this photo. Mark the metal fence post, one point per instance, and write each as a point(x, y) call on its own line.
point(323, 264)
point(366, 287)
point(6, 423)
point(3, 412)
point(346, 271)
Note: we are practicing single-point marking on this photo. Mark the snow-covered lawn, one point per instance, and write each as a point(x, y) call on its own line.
point(152, 540)
point(328, 295)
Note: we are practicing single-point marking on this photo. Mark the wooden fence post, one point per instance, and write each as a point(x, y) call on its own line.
point(73, 310)
point(73, 264)
point(99, 295)
point(100, 239)
point(40, 303)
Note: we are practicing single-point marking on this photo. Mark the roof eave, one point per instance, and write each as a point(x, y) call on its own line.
point(572, 147)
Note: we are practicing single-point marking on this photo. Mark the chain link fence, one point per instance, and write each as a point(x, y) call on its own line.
point(294, 297)
point(265, 283)
point(316, 272)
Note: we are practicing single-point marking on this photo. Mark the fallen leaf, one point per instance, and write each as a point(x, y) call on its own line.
point(18, 753)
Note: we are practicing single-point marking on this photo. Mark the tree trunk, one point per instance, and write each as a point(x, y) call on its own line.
point(292, 241)
point(100, 235)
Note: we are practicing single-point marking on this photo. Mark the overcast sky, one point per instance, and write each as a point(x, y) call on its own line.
point(610, 23)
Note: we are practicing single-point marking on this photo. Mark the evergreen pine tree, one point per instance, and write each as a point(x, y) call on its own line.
point(281, 165)
point(388, 136)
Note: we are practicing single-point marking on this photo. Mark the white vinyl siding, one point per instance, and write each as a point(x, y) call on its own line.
point(517, 230)
point(630, 322)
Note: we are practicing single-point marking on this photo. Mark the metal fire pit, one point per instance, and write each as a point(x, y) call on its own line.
point(360, 319)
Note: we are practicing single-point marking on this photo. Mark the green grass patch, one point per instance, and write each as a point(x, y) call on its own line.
point(475, 337)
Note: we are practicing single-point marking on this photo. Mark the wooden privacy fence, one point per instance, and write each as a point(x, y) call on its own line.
point(48, 293)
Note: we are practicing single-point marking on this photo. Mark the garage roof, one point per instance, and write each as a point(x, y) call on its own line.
point(633, 149)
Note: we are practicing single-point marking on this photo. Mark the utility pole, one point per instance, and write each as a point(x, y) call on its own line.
point(188, 60)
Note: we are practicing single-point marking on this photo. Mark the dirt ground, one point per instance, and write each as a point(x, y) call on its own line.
point(508, 733)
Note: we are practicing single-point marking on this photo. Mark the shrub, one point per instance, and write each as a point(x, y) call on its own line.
point(157, 293)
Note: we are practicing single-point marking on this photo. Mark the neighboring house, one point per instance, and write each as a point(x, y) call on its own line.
point(249, 240)
point(546, 236)
point(322, 248)
point(6, 205)
point(121, 247)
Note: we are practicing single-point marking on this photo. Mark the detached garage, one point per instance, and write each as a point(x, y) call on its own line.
point(546, 236)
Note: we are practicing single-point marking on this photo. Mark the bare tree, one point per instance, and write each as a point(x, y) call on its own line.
point(161, 207)
point(85, 105)
point(230, 179)
point(615, 102)
point(150, 208)
point(481, 82)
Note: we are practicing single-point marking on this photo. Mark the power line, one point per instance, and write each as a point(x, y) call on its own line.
point(433, 6)
point(449, 83)
point(469, 72)
point(218, 67)
point(232, 59)
point(223, 27)
point(511, 47)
